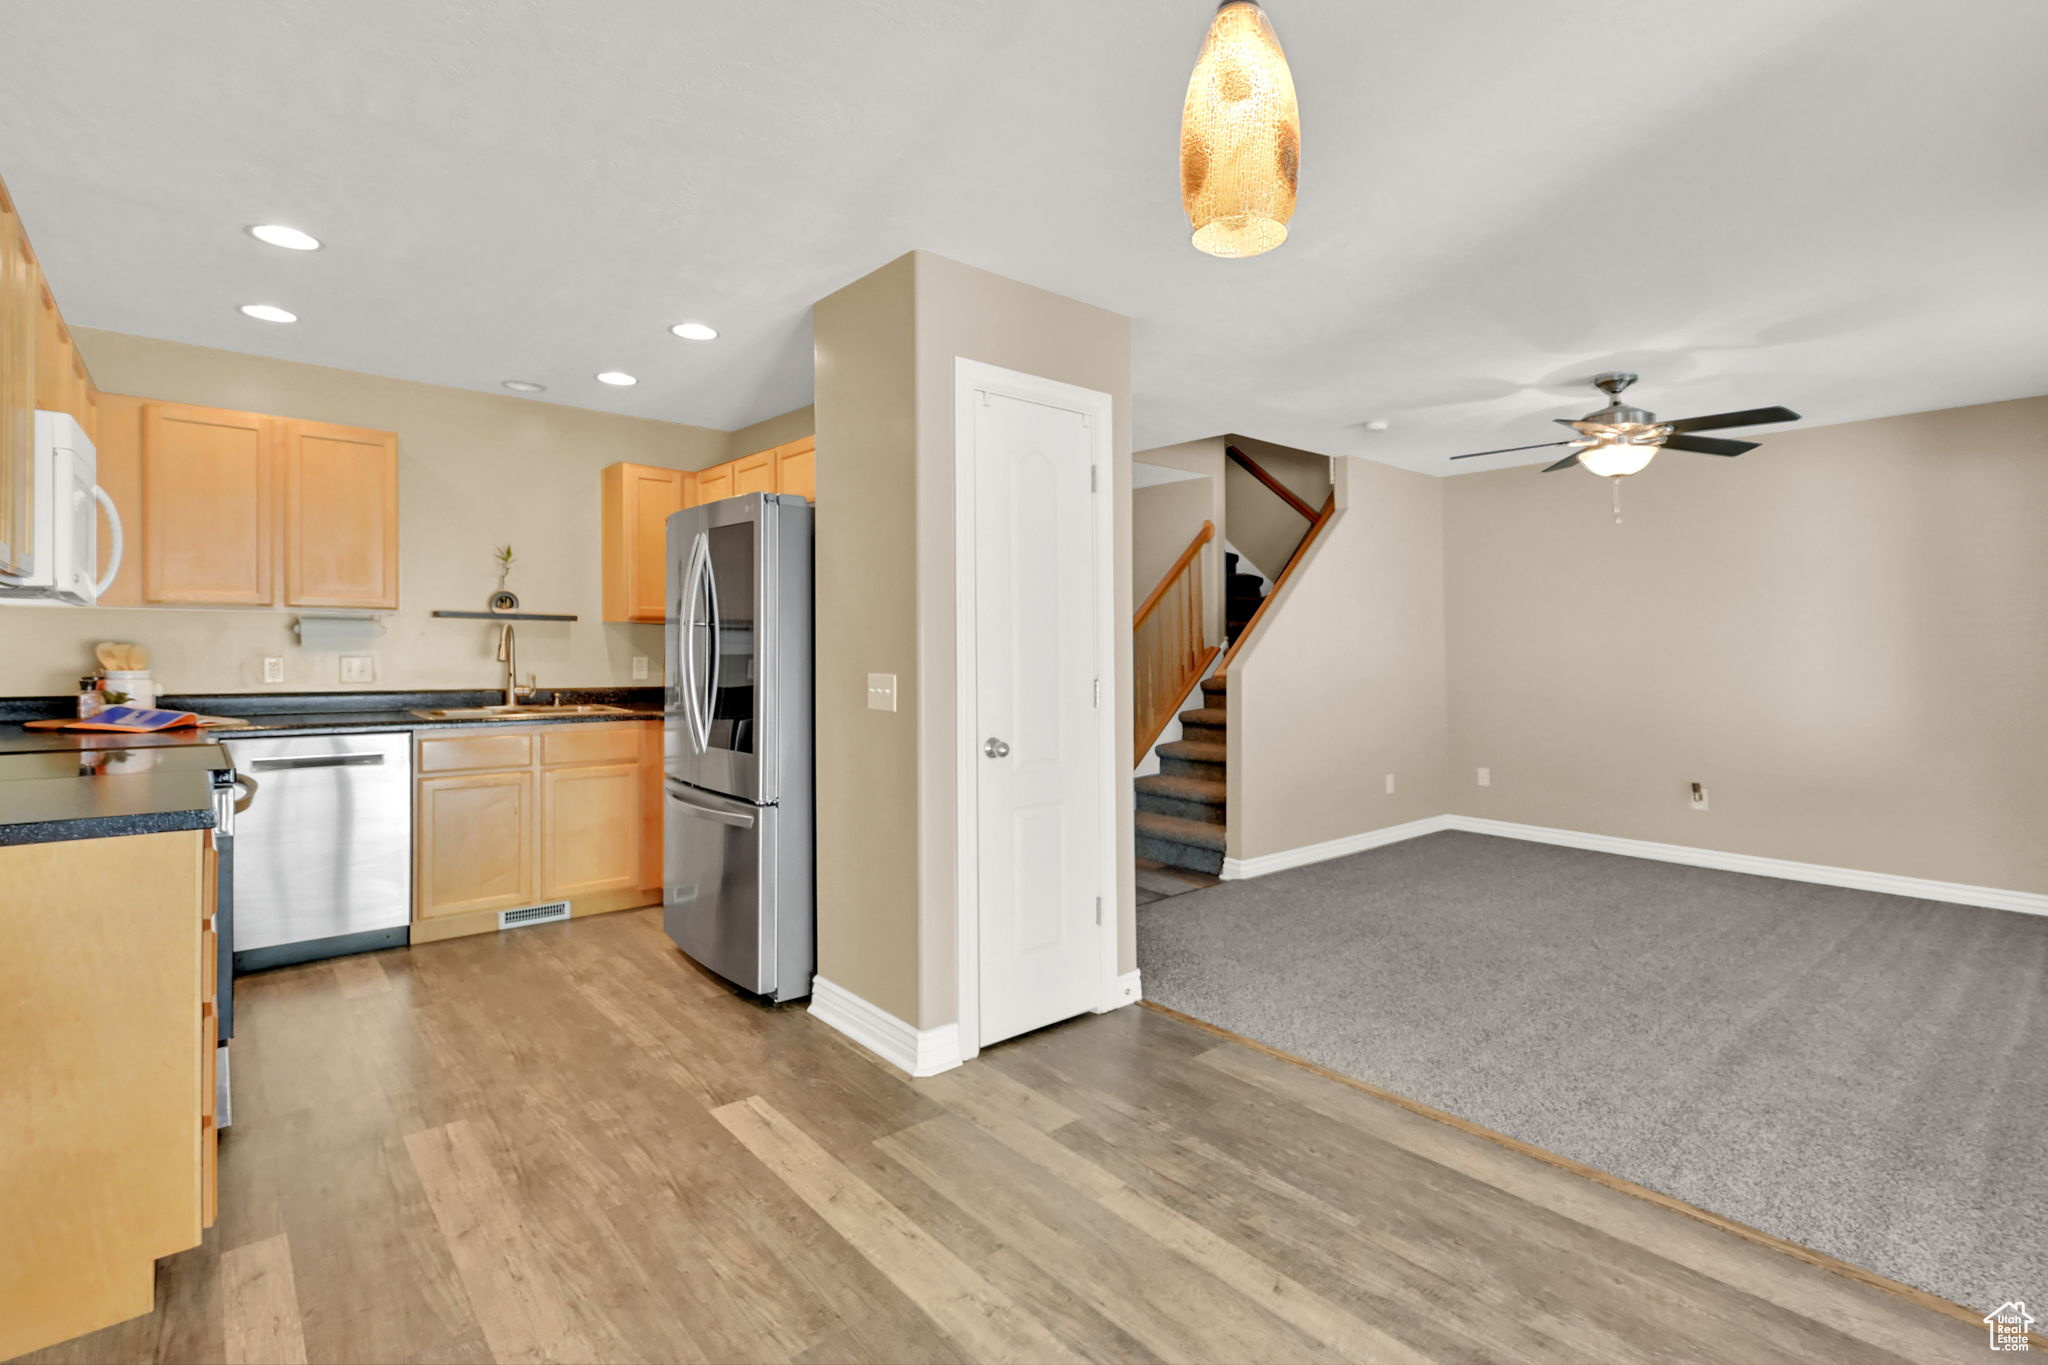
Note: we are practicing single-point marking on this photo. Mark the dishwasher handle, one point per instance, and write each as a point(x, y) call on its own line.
point(358, 760)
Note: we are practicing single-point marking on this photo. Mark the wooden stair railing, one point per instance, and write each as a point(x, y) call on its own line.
point(1315, 529)
point(1170, 650)
point(1273, 485)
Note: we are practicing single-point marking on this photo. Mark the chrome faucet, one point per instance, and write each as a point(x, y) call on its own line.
point(508, 654)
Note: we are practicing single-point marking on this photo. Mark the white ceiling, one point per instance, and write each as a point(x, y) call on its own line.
point(1832, 204)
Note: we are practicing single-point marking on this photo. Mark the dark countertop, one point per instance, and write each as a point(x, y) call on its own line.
point(101, 794)
point(304, 713)
point(92, 784)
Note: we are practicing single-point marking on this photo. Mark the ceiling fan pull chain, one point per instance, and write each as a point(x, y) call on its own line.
point(1617, 500)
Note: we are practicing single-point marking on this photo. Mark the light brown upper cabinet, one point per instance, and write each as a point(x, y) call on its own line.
point(638, 499)
point(754, 473)
point(340, 516)
point(778, 469)
point(18, 326)
point(713, 484)
point(796, 469)
point(39, 368)
point(207, 510)
point(244, 509)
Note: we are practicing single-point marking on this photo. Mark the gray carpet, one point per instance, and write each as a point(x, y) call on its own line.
point(1861, 1073)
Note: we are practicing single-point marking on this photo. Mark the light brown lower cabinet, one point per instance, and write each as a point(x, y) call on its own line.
point(591, 819)
point(512, 817)
point(106, 1060)
point(475, 843)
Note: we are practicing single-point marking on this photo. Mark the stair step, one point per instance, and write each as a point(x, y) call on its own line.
point(1246, 580)
point(1215, 685)
point(1173, 830)
point(1207, 715)
point(1195, 751)
point(1194, 790)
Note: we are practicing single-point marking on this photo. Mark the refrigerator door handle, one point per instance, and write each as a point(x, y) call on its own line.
point(717, 645)
point(700, 550)
point(737, 819)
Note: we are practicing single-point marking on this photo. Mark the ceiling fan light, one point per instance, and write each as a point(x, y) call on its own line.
point(1617, 459)
point(1240, 137)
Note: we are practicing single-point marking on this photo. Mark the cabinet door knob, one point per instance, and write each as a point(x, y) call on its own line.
point(995, 748)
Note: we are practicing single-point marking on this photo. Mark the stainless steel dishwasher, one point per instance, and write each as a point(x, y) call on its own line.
point(323, 854)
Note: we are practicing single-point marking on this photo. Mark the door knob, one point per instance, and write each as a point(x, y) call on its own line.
point(995, 748)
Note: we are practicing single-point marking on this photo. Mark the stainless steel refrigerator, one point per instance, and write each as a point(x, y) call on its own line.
point(737, 742)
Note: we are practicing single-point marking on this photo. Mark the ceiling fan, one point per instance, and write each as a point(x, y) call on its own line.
point(1619, 440)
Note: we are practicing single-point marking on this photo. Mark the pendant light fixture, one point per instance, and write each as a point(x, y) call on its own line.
point(1240, 136)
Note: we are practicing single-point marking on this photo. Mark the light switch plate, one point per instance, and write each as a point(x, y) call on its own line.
point(1486, 777)
point(273, 668)
point(358, 668)
point(881, 691)
point(639, 668)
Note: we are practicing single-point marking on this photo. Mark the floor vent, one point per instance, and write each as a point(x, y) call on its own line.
point(533, 914)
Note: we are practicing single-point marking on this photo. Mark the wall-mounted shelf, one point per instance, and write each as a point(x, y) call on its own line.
point(505, 615)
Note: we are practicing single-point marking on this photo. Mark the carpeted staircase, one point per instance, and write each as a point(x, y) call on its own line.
point(1181, 808)
point(1242, 593)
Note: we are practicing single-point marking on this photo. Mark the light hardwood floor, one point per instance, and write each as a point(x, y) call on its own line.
point(566, 1143)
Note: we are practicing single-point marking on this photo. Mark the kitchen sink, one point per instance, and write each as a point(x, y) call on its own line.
point(524, 711)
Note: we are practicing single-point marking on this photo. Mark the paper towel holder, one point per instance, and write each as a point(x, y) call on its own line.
point(338, 629)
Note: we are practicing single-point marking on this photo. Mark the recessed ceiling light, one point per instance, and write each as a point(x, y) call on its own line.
point(525, 386)
point(290, 238)
point(616, 377)
point(264, 312)
point(694, 331)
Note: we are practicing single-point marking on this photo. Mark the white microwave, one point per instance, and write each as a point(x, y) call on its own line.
point(65, 501)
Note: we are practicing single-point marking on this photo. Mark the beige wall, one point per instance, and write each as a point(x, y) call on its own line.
point(475, 470)
point(867, 622)
point(886, 348)
point(1264, 529)
point(775, 431)
point(1844, 635)
point(1343, 682)
point(1164, 518)
point(1203, 457)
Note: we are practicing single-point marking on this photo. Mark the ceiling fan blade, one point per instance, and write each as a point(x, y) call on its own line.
point(1748, 417)
point(1566, 463)
point(1540, 445)
point(1708, 445)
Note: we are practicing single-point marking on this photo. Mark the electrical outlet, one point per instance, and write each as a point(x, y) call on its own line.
point(881, 691)
point(1486, 777)
point(273, 668)
point(1390, 784)
point(358, 668)
point(1699, 796)
point(639, 668)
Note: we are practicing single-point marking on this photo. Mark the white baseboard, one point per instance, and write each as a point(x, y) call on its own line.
point(921, 1052)
point(1237, 869)
point(1956, 893)
point(1126, 992)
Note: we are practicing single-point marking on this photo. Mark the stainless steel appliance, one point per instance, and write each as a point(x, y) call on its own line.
point(323, 854)
point(737, 742)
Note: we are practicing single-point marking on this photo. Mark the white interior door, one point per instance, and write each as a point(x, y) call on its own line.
point(1041, 825)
